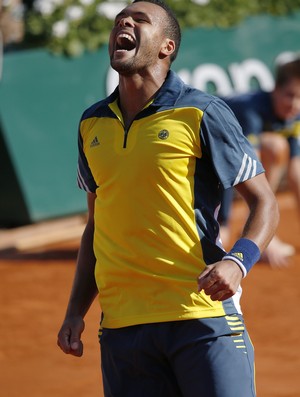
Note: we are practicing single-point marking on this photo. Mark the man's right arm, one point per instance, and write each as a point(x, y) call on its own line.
point(83, 292)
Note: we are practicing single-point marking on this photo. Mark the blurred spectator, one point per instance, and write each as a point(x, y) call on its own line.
point(11, 21)
point(271, 121)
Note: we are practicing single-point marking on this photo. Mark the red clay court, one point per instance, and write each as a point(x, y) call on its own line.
point(34, 288)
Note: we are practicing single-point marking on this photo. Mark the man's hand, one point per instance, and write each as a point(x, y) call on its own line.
point(69, 336)
point(220, 280)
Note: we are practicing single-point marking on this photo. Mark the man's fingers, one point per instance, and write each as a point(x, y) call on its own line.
point(206, 279)
point(221, 295)
point(219, 286)
point(76, 345)
point(63, 340)
point(69, 337)
point(69, 345)
point(76, 348)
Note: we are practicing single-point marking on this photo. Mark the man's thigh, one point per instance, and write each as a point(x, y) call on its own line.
point(133, 365)
point(218, 365)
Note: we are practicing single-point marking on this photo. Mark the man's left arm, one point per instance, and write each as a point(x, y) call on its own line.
point(221, 280)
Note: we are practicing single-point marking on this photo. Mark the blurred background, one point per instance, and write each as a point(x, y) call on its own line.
point(53, 65)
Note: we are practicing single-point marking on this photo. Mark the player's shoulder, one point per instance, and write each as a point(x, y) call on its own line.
point(194, 97)
point(98, 109)
point(175, 93)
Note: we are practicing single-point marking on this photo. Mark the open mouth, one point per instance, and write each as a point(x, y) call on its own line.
point(125, 42)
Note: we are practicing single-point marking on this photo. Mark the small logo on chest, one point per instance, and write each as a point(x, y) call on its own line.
point(163, 135)
point(95, 142)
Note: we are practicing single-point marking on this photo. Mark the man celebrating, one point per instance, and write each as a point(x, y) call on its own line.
point(153, 158)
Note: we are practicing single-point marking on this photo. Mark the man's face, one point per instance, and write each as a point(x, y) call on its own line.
point(137, 37)
point(286, 100)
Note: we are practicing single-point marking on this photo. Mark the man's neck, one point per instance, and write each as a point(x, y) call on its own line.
point(136, 92)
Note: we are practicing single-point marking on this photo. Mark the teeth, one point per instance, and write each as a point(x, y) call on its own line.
point(125, 42)
point(126, 36)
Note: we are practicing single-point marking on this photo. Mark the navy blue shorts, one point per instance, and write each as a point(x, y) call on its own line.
point(192, 358)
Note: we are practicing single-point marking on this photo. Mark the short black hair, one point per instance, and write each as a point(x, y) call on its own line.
point(172, 28)
point(288, 71)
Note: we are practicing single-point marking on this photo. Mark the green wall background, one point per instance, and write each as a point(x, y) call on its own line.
point(42, 98)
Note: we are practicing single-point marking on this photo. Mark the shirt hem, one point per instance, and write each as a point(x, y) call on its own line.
point(158, 318)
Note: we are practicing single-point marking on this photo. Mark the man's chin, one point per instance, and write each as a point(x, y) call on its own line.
point(122, 68)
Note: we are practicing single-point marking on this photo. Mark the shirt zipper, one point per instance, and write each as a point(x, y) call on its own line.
point(126, 132)
point(125, 138)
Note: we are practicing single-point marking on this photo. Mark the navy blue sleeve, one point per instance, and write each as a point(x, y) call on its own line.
point(233, 157)
point(85, 178)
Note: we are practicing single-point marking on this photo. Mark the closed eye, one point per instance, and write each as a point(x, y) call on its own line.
point(141, 20)
point(139, 17)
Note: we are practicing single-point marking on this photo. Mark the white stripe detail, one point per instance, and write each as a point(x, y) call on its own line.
point(239, 263)
point(218, 239)
point(248, 169)
point(236, 299)
point(238, 178)
point(81, 182)
point(254, 168)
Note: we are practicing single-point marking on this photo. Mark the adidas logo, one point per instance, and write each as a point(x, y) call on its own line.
point(94, 142)
point(239, 255)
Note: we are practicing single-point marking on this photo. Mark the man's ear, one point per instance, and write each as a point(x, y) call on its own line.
point(167, 48)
